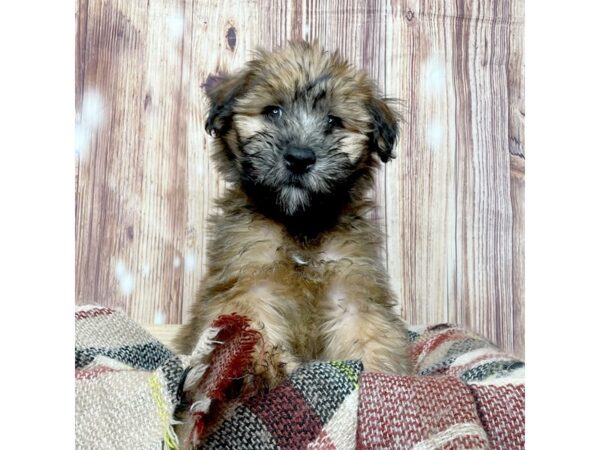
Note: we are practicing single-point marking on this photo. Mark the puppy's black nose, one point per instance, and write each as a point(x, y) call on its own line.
point(299, 159)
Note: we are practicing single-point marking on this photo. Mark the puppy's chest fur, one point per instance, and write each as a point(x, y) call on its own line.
point(301, 281)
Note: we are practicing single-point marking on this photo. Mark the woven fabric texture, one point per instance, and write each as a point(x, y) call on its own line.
point(465, 394)
point(314, 408)
point(125, 384)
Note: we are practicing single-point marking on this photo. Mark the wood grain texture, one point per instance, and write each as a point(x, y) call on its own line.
point(451, 204)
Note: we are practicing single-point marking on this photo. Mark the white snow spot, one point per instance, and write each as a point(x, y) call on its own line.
point(159, 318)
point(146, 269)
point(176, 262)
point(92, 116)
point(176, 24)
point(82, 137)
point(92, 109)
point(435, 76)
point(190, 262)
point(306, 30)
point(435, 136)
point(126, 284)
point(124, 277)
point(120, 269)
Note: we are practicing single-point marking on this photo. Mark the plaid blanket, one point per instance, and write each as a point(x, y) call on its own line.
point(466, 394)
point(126, 384)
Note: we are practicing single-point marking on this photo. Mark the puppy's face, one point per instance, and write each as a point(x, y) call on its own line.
point(298, 128)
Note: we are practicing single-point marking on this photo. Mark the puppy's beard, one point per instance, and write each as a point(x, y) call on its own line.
point(293, 200)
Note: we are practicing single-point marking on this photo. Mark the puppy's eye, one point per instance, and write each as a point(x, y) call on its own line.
point(273, 112)
point(334, 121)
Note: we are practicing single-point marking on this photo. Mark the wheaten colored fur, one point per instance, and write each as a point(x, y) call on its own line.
point(296, 253)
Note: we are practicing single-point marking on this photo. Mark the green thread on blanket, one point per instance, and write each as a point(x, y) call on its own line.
point(347, 371)
point(168, 435)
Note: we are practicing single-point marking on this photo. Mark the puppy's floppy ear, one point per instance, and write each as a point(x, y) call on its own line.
point(385, 129)
point(222, 92)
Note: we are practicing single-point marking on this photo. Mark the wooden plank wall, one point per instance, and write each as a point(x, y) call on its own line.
point(451, 204)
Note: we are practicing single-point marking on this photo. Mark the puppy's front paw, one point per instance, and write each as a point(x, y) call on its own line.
point(270, 366)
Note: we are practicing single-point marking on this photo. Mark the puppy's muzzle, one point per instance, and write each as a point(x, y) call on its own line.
point(299, 159)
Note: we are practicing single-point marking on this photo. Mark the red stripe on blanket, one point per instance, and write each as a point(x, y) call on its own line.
point(401, 411)
point(88, 374)
point(427, 344)
point(288, 417)
point(93, 313)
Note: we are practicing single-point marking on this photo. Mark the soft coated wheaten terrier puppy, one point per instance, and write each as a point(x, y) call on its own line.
point(297, 133)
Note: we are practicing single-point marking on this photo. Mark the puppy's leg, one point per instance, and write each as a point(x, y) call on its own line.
point(260, 301)
point(360, 322)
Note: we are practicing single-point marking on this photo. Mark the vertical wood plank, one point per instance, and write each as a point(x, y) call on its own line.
point(158, 207)
point(517, 190)
point(110, 37)
point(516, 138)
point(484, 213)
point(421, 189)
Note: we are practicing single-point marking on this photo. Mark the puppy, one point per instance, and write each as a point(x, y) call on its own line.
point(298, 134)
